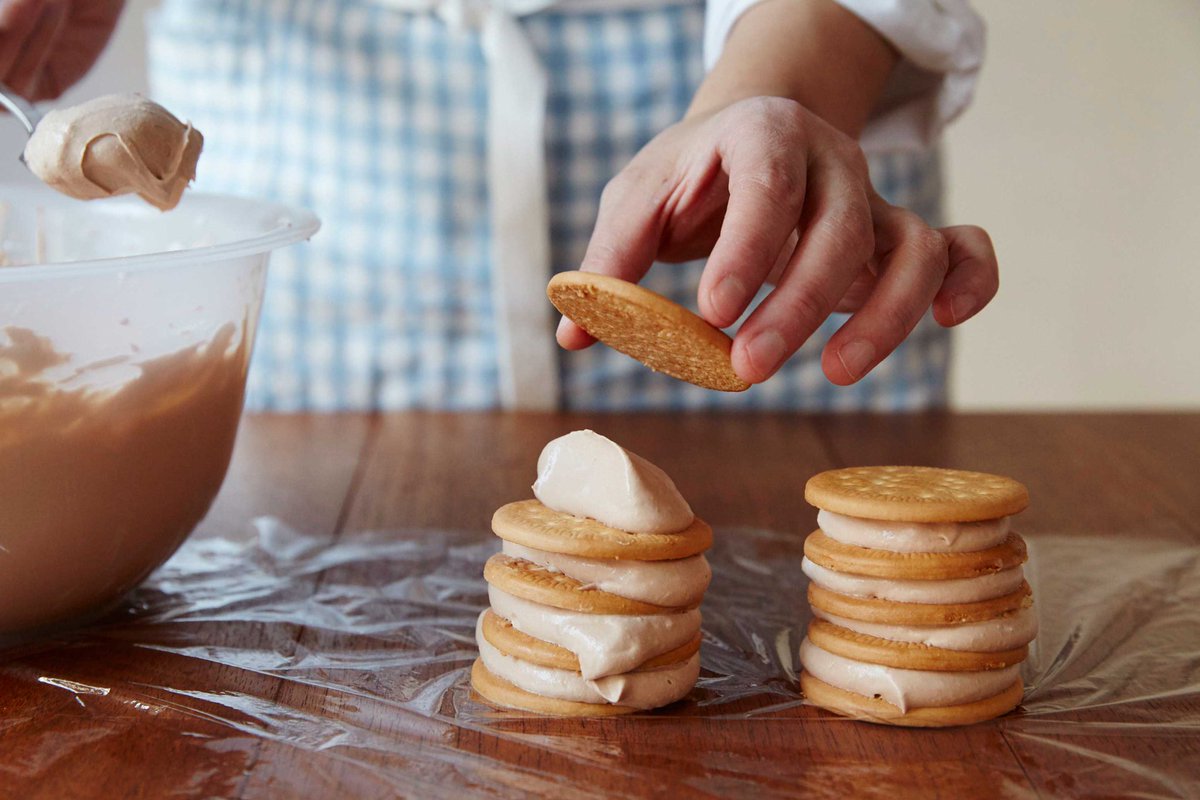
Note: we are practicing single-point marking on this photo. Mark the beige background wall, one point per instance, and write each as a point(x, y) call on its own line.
point(1082, 156)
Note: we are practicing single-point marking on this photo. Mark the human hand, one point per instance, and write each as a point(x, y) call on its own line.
point(48, 45)
point(771, 193)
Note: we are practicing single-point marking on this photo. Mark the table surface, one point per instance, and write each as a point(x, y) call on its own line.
point(337, 475)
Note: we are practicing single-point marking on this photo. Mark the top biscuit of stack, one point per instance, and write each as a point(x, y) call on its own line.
point(916, 494)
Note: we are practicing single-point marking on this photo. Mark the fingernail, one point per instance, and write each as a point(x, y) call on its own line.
point(562, 327)
point(727, 296)
point(856, 356)
point(767, 351)
point(961, 306)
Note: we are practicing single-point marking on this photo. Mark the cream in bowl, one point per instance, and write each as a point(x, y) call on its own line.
point(125, 337)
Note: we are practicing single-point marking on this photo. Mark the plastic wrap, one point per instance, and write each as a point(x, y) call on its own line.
point(291, 656)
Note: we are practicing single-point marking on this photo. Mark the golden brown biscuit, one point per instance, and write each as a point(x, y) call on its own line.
point(887, 612)
point(537, 584)
point(855, 560)
point(906, 655)
point(916, 494)
point(500, 692)
point(872, 709)
point(532, 524)
point(507, 639)
point(661, 334)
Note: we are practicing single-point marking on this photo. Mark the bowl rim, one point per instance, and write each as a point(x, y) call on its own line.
point(293, 224)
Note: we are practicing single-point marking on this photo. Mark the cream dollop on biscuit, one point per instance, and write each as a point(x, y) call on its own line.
point(113, 145)
point(588, 475)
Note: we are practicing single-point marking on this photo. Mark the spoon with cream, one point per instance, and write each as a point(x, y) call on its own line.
point(112, 145)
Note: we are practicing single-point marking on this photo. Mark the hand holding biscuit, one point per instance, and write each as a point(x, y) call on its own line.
point(771, 193)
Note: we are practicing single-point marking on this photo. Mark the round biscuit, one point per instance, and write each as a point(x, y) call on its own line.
point(648, 327)
point(499, 692)
point(916, 494)
point(529, 523)
point(906, 655)
point(510, 641)
point(887, 612)
point(874, 709)
point(855, 560)
point(537, 584)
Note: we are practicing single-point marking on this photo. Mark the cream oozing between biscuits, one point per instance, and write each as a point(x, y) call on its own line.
point(677, 583)
point(905, 688)
point(1006, 632)
point(914, 537)
point(605, 644)
point(957, 590)
point(644, 689)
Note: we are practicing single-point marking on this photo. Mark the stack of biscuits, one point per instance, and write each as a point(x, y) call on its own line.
point(921, 613)
point(586, 619)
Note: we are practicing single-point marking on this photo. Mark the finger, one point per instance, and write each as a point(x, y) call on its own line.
point(973, 279)
point(784, 258)
point(626, 238)
point(766, 197)
point(18, 18)
point(836, 241)
point(912, 267)
point(859, 291)
point(26, 71)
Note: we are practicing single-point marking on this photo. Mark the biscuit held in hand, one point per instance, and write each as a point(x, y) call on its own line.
point(648, 327)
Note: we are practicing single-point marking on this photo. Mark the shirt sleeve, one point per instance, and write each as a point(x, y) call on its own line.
point(941, 46)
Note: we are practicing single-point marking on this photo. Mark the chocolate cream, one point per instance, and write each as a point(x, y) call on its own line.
point(99, 486)
point(113, 145)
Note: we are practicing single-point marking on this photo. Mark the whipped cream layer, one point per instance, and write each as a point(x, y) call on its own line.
point(606, 644)
point(914, 537)
point(112, 145)
point(588, 475)
point(646, 689)
point(905, 688)
point(674, 584)
point(1003, 633)
point(959, 590)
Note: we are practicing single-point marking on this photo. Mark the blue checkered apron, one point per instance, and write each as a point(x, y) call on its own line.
point(376, 119)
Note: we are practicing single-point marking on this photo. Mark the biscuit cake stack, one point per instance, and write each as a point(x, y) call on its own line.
point(587, 619)
point(921, 613)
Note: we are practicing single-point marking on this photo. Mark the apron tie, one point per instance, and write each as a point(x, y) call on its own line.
point(519, 214)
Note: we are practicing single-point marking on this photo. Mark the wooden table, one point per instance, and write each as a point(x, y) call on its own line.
point(335, 476)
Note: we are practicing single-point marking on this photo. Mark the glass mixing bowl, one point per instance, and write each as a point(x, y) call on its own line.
point(125, 336)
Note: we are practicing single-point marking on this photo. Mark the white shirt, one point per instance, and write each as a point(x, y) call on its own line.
point(941, 45)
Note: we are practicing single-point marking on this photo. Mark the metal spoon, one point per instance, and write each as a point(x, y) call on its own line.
point(20, 108)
